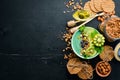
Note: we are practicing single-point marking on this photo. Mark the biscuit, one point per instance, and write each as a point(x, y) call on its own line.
point(92, 6)
point(87, 7)
point(97, 5)
point(108, 5)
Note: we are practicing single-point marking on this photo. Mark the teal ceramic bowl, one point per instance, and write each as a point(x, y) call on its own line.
point(76, 45)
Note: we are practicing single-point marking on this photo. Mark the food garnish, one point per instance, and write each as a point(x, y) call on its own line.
point(98, 40)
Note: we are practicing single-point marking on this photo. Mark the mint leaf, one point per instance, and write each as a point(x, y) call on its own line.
point(82, 28)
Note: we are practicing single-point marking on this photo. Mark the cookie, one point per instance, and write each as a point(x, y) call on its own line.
point(108, 5)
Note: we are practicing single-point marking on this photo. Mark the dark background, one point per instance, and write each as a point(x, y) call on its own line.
point(30, 44)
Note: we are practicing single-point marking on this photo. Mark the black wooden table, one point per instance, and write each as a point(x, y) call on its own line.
point(30, 44)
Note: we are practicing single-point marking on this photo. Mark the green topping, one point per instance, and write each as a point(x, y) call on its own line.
point(98, 40)
point(82, 28)
point(91, 41)
point(89, 51)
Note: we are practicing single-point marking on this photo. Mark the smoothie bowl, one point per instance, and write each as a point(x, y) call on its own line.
point(87, 42)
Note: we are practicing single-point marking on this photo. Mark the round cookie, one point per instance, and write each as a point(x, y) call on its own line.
point(92, 6)
point(97, 5)
point(73, 66)
point(86, 72)
point(107, 54)
point(87, 7)
point(108, 5)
